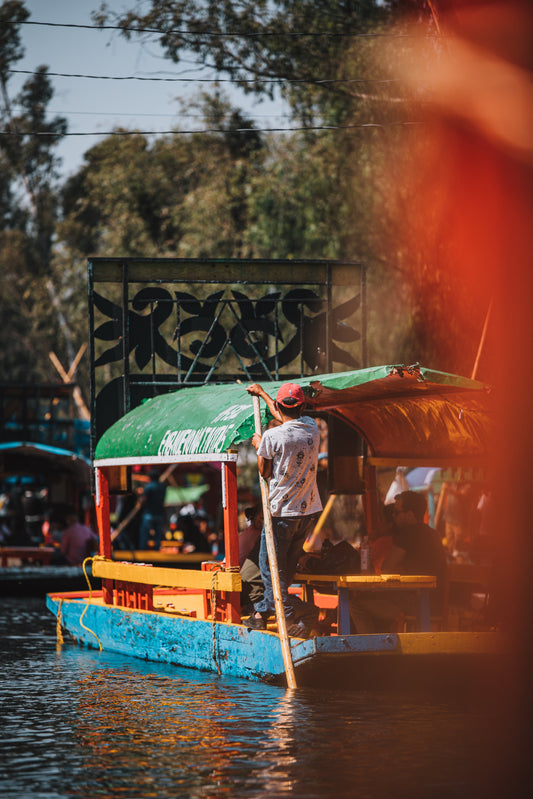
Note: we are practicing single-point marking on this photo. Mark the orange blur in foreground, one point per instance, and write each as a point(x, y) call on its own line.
point(480, 158)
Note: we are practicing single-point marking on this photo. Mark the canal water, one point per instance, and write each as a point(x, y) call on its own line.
point(79, 723)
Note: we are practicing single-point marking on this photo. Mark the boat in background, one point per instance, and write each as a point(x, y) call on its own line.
point(37, 580)
point(44, 468)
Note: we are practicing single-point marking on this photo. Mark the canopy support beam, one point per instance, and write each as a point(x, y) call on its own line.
point(104, 527)
point(231, 535)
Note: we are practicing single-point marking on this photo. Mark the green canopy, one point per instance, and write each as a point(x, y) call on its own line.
point(403, 413)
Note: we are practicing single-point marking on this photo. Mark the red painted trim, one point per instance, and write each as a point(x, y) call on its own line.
point(231, 536)
point(104, 527)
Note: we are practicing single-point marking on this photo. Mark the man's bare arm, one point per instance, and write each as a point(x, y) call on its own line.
point(265, 467)
point(263, 464)
point(258, 391)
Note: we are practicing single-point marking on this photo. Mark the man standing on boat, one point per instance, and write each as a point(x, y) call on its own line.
point(287, 457)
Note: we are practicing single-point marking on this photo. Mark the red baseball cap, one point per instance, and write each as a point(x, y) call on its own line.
point(290, 395)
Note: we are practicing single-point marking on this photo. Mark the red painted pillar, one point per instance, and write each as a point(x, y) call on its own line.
point(104, 527)
point(231, 533)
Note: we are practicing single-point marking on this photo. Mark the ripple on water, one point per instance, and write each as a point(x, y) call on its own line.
point(79, 723)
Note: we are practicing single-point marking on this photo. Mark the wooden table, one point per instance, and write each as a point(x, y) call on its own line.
point(36, 554)
point(421, 584)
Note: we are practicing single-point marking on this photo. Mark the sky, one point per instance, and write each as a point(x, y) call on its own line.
point(98, 106)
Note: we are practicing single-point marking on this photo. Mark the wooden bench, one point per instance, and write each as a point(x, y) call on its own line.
point(346, 583)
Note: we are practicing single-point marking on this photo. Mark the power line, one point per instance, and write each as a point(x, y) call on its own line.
point(314, 81)
point(281, 115)
point(137, 114)
point(211, 130)
point(179, 32)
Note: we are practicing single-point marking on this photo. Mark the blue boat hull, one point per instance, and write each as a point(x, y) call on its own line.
point(233, 650)
point(179, 640)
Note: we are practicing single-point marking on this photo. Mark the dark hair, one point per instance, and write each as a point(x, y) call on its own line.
point(252, 512)
point(153, 474)
point(415, 502)
point(388, 513)
point(290, 402)
point(293, 412)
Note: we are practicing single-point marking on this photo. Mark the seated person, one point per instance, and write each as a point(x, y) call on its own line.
point(77, 542)
point(382, 543)
point(416, 549)
point(249, 543)
point(339, 558)
point(194, 539)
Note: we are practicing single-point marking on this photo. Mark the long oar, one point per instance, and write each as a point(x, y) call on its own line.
point(273, 561)
point(320, 523)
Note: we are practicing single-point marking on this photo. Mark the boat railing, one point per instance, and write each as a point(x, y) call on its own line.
point(132, 584)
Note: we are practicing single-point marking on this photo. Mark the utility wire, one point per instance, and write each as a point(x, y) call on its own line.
point(56, 112)
point(319, 81)
point(210, 130)
point(177, 31)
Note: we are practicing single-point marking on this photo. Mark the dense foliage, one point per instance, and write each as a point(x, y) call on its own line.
point(33, 318)
point(324, 190)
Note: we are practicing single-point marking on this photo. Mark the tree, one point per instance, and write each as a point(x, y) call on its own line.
point(28, 212)
point(324, 192)
point(295, 208)
point(331, 193)
point(184, 195)
point(295, 46)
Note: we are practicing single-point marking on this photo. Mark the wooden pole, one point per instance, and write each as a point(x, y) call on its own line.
point(440, 503)
point(273, 561)
point(124, 523)
point(320, 523)
point(74, 365)
point(481, 343)
point(67, 377)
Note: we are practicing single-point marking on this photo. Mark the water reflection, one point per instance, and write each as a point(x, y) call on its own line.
point(280, 741)
point(80, 723)
point(153, 729)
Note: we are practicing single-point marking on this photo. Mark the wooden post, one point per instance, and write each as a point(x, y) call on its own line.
point(441, 503)
point(370, 499)
point(273, 562)
point(67, 377)
point(481, 343)
point(104, 527)
point(320, 523)
point(124, 523)
point(231, 534)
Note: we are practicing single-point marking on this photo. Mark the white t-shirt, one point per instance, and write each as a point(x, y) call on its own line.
point(293, 449)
